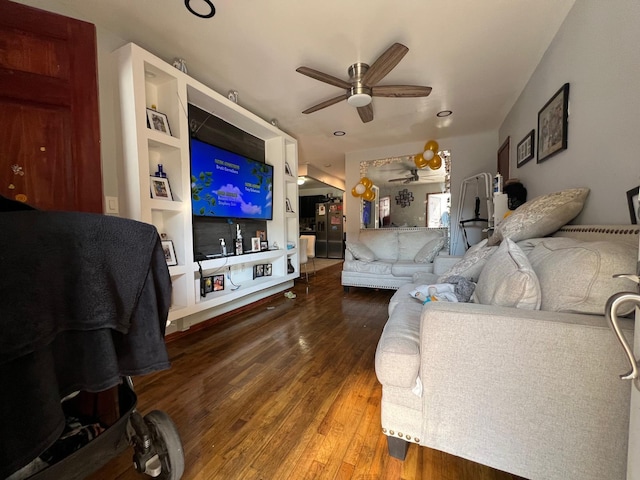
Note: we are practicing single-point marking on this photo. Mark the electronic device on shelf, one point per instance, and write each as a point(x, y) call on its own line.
point(226, 184)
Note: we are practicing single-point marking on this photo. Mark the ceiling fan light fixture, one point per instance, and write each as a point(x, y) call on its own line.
point(359, 96)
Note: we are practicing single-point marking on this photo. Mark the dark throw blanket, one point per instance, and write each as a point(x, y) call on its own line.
point(85, 299)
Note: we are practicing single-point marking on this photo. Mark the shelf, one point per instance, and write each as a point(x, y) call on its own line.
point(162, 140)
point(231, 260)
point(166, 205)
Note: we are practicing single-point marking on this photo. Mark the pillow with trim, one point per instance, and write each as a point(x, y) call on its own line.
point(429, 250)
point(541, 216)
point(361, 252)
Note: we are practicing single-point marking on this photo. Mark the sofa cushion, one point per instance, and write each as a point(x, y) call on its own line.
point(541, 216)
point(398, 352)
point(409, 243)
point(471, 264)
point(429, 251)
point(378, 267)
point(383, 242)
point(508, 280)
point(578, 276)
point(407, 268)
point(361, 252)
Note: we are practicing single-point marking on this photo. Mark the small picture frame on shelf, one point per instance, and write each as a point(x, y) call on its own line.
point(218, 283)
point(262, 235)
point(267, 269)
point(158, 121)
point(169, 252)
point(288, 206)
point(207, 285)
point(264, 245)
point(258, 271)
point(255, 244)
point(160, 188)
point(287, 169)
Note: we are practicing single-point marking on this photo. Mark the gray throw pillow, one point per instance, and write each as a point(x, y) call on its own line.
point(361, 252)
point(471, 264)
point(429, 251)
point(508, 280)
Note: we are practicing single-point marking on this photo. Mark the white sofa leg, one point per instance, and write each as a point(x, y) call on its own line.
point(397, 447)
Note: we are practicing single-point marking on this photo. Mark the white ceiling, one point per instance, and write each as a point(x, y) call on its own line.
point(477, 55)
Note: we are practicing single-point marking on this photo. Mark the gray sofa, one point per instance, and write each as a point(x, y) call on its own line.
point(389, 257)
point(532, 392)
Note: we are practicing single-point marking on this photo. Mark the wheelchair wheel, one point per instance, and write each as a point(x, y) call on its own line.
point(166, 440)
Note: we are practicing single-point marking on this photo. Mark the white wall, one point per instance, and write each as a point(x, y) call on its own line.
point(470, 155)
point(596, 51)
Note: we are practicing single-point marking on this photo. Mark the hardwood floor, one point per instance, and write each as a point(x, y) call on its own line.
point(287, 391)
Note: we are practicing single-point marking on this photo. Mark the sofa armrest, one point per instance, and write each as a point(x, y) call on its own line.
point(442, 263)
point(534, 393)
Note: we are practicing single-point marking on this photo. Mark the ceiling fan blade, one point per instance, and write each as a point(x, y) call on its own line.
point(366, 113)
point(384, 64)
point(400, 91)
point(326, 103)
point(323, 77)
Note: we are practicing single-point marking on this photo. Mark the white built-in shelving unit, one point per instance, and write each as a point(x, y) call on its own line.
point(145, 81)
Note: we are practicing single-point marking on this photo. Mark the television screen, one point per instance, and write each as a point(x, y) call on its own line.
point(225, 184)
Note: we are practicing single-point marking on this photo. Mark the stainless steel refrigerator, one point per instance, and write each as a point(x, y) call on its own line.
point(329, 233)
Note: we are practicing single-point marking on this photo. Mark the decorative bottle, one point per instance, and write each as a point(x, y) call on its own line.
point(160, 173)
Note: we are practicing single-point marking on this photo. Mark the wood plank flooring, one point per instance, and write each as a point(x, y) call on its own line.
point(287, 391)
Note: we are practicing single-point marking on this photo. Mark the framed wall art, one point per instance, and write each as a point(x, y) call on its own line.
point(526, 149)
point(634, 205)
point(552, 124)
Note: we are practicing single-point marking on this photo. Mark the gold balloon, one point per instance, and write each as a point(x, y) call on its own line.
point(366, 182)
point(369, 195)
point(420, 161)
point(432, 145)
point(354, 192)
point(435, 163)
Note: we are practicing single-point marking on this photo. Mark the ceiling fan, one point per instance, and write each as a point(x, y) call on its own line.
point(363, 83)
point(412, 177)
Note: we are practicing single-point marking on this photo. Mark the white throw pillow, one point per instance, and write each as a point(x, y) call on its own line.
point(361, 252)
point(471, 264)
point(540, 216)
point(429, 251)
point(508, 280)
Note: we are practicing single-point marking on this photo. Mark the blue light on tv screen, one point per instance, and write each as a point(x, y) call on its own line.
point(225, 184)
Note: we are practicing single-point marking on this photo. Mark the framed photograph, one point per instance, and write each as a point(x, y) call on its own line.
point(169, 252)
point(267, 269)
point(526, 149)
point(258, 271)
point(552, 124)
point(160, 188)
point(288, 205)
point(262, 235)
point(255, 244)
point(206, 286)
point(264, 245)
point(158, 121)
point(218, 283)
point(634, 206)
point(287, 169)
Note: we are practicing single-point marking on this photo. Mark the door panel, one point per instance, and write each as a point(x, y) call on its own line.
point(49, 130)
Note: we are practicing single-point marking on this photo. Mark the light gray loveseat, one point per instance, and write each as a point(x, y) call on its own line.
point(532, 392)
point(389, 257)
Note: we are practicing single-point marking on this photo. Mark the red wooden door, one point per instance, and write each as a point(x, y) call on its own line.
point(49, 130)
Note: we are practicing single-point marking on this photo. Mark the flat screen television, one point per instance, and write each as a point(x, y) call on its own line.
point(225, 184)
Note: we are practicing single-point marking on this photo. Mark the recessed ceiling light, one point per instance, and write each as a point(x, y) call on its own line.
point(444, 113)
point(327, 165)
point(149, 74)
point(339, 133)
